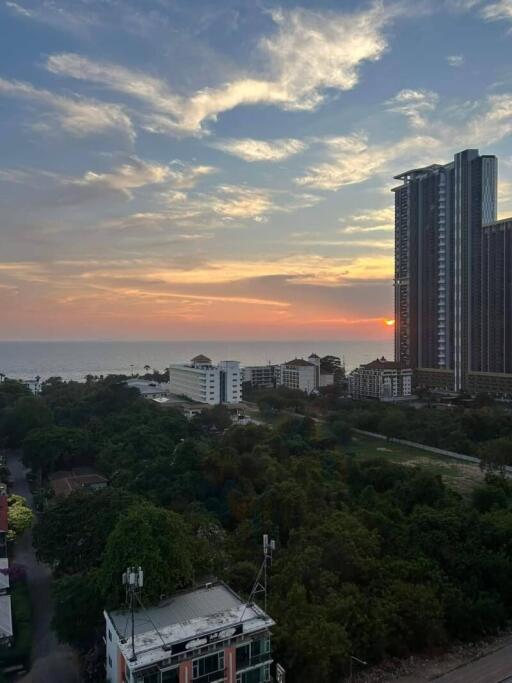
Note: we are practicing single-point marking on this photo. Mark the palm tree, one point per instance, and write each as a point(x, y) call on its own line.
point(147, 368)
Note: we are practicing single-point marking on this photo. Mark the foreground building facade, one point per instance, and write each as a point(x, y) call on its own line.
point(199, 636)
point(447, 273)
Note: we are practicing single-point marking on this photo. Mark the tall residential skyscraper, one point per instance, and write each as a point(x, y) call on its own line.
point(440, 211)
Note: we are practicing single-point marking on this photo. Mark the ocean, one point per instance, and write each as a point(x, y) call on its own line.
point(75, 360)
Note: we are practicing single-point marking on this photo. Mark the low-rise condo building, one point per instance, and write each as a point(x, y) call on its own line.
point(205, 635)
point(299, 374)
point(262, 375)
point(380, 379)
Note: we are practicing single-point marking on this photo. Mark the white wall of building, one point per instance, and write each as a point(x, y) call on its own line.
point(230, 381)
point(111, 639)
point(210, 384)
point(380, 383)
point(201, 384)
point(302, 377)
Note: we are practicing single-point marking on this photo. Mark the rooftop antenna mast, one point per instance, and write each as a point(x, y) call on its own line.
point(133, 580)
point(261, 583)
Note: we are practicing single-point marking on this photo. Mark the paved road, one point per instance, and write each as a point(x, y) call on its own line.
point(494, 668)
point(52, 661)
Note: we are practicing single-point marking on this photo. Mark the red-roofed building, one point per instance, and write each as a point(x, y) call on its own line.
point(381, 379)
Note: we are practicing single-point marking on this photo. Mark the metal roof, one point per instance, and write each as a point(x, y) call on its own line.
point(4, 573)
point(187, 616)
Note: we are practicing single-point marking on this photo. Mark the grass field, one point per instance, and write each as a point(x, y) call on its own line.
point(459, 475)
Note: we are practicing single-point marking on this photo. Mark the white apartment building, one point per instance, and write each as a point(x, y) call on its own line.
point(299, 374)
point(202, 381)
point(231, 376)
point(380, 379)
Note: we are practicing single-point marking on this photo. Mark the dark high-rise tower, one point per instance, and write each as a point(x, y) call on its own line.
point(439, 213)
point(496, 302)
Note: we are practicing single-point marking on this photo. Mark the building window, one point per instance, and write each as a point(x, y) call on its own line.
point(110, 661)
point(171, 676)
point(110, 635)
point(259, 675)
point(207, 665)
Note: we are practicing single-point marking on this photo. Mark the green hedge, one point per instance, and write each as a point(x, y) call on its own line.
point(19, 653)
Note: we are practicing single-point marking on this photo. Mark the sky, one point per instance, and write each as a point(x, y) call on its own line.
point(196, 169)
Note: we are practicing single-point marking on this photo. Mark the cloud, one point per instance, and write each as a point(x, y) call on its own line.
point(496, 11)
point(127, 177)
point(462, 5)
point(251, 150)
point(309, 53)
point(58, 16)
point(133, 174)
point(18, 9)
point(414, 104)
point(77, 115)
point(492, 121)
point(455, 60)
point(504, 198)
point(240, 202)
point(353, 160)
point(309, 269)
point(313, 51)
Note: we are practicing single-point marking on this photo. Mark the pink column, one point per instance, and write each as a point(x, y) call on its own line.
point(230, 664)
point(186, 672)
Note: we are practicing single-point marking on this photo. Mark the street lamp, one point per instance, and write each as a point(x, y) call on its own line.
point(359, 661)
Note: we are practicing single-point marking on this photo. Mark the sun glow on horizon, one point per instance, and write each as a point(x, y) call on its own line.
point(389, 323)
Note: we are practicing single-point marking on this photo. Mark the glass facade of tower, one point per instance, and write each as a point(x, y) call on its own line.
point(440, 211)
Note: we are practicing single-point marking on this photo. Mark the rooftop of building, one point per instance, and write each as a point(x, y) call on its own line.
point(415, 171)
point(201, 359)
point(4, 573)
point(148, 387)
point(64, 482)
point(188, 620)
point(5, 617)
point(382, 364)
point(502, 221)
point(298, 362)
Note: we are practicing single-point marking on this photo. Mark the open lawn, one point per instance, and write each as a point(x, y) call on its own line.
point(461, 476)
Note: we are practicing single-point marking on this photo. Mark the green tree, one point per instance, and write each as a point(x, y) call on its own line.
point(393, 424)
point(342, 431)
point(45, 450)
point(20, 516)
point(154, 539)
point(19, 418)
point(78, 606)
point(72, 532)
point(495, 455)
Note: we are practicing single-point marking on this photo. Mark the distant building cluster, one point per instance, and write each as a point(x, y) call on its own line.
point(453, 277)
point(305, 375)
point(381, 379)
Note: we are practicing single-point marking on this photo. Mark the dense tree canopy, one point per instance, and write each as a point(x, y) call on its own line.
point(373, 558)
